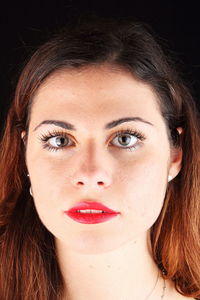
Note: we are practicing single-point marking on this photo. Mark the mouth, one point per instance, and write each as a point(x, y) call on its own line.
point(88, 212)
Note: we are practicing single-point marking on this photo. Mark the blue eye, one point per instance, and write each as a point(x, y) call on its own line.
point(59, 141)
point(54, 141)
point(128, 139)
point(125, 139)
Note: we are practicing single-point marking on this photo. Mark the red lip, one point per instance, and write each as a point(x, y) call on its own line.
point(91, 218)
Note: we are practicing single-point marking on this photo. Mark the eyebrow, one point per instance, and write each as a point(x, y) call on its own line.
point(109, 125)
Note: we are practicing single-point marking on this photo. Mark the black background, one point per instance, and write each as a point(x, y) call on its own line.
point(24, 26)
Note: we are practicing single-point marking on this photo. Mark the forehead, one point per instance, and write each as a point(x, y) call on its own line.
point(93, 92)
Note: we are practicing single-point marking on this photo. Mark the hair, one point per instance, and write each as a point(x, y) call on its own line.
point(29, 268)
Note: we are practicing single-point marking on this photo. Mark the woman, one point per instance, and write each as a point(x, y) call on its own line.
point(100, 172)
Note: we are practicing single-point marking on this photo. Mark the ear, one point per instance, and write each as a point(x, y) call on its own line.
point(23, 135)
point(176, 157)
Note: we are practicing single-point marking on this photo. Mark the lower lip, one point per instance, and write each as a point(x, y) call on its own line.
point(90, 218)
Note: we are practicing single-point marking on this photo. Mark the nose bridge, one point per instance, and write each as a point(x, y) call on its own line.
point(91, 155)
point(91, 167)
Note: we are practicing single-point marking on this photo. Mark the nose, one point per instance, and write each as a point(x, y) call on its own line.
point(91, 173)
point(97, 178)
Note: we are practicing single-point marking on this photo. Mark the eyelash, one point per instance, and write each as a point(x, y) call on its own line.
point(45, 137)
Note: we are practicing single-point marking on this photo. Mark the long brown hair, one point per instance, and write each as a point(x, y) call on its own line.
point(29, 267)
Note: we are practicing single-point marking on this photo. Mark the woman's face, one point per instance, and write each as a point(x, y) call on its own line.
point(92, 162)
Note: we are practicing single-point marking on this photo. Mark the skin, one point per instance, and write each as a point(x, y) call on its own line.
point(116, 254)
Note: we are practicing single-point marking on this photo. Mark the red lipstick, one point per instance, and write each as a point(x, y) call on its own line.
point(88, 212)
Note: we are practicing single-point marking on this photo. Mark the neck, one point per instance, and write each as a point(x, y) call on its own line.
point(127, 272)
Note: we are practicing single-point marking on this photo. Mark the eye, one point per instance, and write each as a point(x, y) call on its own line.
point(129, 139)
point(59, 141)
point(54, 141)
point(126, 139)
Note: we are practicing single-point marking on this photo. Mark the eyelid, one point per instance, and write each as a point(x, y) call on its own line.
point(55, 133)
point(130, 131)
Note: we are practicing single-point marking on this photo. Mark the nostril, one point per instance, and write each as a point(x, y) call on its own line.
point(99, 183)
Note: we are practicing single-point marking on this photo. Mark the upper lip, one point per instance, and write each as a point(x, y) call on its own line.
point(91, 205)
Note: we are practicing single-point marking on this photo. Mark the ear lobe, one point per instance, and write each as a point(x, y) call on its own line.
point(176, 162)
point(23, 134)
point(180, 130)
point(176, 157)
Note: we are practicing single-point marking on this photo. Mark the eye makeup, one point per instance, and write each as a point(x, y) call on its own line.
point(45, 139)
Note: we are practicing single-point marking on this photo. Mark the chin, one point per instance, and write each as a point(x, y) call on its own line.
point(96, 245)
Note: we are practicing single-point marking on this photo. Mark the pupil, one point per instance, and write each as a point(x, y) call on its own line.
point(60, 141)
point(124, 137)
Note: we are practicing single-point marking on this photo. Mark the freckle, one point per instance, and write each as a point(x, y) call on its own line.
point(91, 267)
point(108, 266)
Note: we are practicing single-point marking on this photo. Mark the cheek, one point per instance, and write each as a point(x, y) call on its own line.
point(138, 183)
point(142, 189)
point(46, 185)
point(45, 177)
